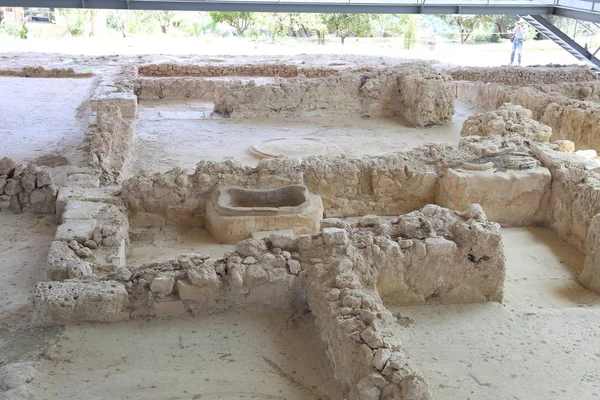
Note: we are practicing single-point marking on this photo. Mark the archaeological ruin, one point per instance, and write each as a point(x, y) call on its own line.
point(273, 165)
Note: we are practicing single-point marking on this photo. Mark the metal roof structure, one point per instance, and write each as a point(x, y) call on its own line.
point(588, 10)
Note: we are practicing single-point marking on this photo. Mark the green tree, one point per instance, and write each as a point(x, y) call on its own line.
point(240, 21)
point(164, 18)
point(345, 25)
point(410, 31)
point(305, 25)
point(465, 24)
point(277, 23)
point(75, 20)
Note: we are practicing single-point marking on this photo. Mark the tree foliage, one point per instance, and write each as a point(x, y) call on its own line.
point(465, 24)
point(164, 18)
point(345, 25)
point(240, 21)
point(305, 25)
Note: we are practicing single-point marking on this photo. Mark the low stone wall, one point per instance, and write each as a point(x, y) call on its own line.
point(30, 187)
point(41, 72)
point(516, 76)
point(176, 88)
point(282, 70)
point(110, 143)
point(115, 88)
point(418, 93)
point(382, 185)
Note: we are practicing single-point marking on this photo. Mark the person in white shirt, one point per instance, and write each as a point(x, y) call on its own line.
point(517, 41)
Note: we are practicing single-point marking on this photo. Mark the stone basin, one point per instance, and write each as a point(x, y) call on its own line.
point(234, 213)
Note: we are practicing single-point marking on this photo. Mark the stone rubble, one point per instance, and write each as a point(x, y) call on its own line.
point(30, 187)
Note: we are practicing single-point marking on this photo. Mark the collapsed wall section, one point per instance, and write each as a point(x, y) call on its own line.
point(29, 187)
point(570, 118)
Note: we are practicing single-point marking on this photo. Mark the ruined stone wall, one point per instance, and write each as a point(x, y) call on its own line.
point(418, 93)
point(41, 72)
point(570, 119)
point(338, 271)
point(116, 88)
point(282, 70)
point(575, 194)
point(523, 76)
point(590, 276)
point(382, 185)
point(176, 88)
point(110, 143)
point(30, 187)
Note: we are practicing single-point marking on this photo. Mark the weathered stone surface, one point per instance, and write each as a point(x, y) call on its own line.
point(76, 229)
point(68, 302)
point(590, 276)
point(169, 308)
point(6, 166)
point(162, 285)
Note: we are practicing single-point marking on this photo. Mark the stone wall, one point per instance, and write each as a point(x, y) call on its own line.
point(590, 276)
point(570, 119)
point(575, 194)
point(116, 88)
point(41, 72)
point(30, 187)
point(382, 185)
point(282, 70)
point(110, 143)
point(416, 92)
point(523, 76)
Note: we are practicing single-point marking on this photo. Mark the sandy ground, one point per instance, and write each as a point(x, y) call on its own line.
point(170, 134)
point(534, 52)
point(42, 116)
point(24, 243)
point(267, 355)
point(542, 343)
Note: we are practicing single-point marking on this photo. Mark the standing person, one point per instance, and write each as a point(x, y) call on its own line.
point(517, 41)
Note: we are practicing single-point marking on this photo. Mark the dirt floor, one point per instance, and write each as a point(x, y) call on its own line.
point(541, 343)
point(170, 134)
point(43, 116)
point(245, 355)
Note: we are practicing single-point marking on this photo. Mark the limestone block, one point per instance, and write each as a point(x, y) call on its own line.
point(6, 166)
point(590, 276)
point(13, 187)
point(77, 209)
point(565, 146)
point(127, 102)
point(335, 236)
point(83, 180)
point(28, 181)
point(162, 284)
point(103, 195)
point(44, 178)
point(62, 263)
point(42, 200)
point(511, 198)
point(76, 229)
point(69, 302)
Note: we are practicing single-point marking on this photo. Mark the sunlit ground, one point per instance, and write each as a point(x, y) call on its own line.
point(534, 53)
